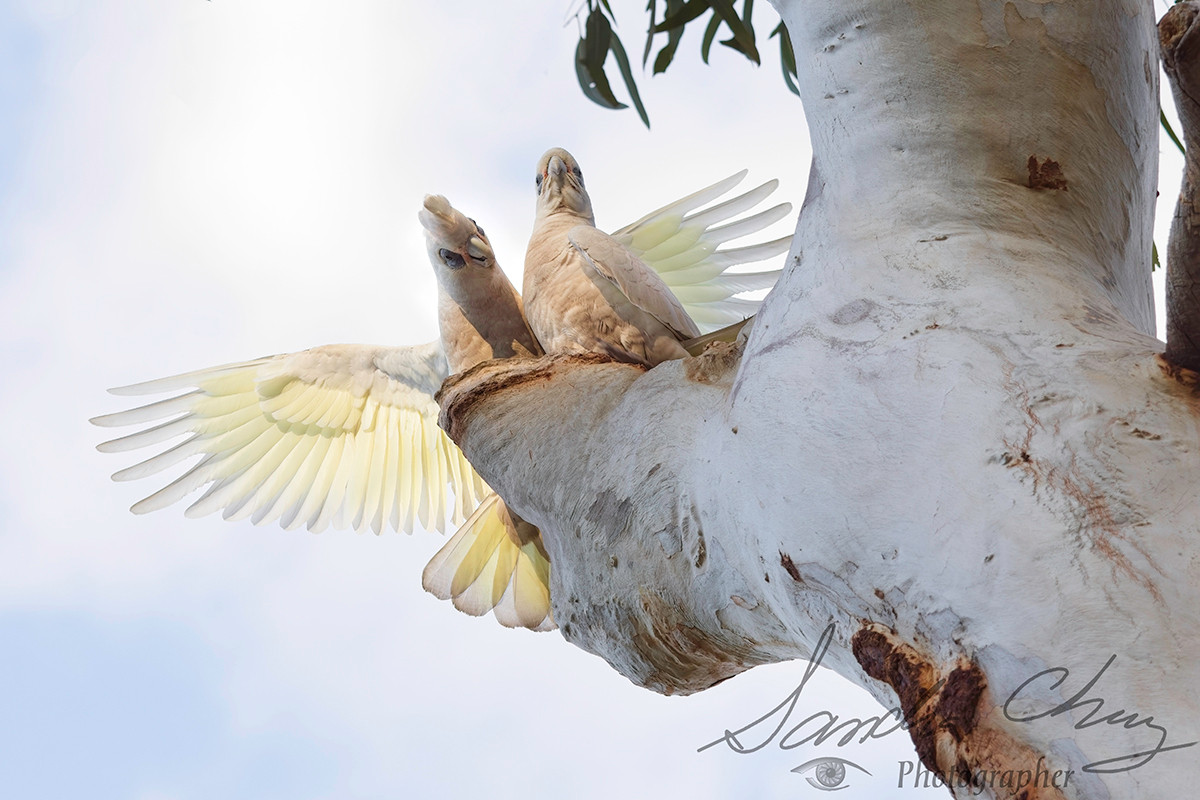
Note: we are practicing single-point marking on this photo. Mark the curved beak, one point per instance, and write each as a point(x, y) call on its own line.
point(435, 216)
point(479, 249)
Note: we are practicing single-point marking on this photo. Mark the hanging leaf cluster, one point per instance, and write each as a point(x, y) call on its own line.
point(598, 39)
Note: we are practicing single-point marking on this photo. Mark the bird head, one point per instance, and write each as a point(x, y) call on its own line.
point(453, 239)
point(560, 185)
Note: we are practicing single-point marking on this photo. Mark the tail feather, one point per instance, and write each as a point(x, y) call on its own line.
point(494, 562)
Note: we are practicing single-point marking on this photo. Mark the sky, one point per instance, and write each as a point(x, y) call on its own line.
point(188, 183)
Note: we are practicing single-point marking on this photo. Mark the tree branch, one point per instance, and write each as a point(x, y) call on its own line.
point(1179, 40)
point(947, 434)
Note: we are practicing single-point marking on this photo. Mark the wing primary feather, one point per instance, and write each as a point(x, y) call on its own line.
point(748, 225)
point(261, 484)
point(303, 479)
point(156, 435)
point(321, 506)
point(754, 252)
point(409, 446)
point(693, 294)
point(738, 282)
point(373, 488)
point(242, 469)
point(356, 488)
point(167, 458)
point(441, 476)
point(148, 412)
point(187, 380)
point(464, 480)
point(176, 490)
point(684, 270)
point(732, 207)
point(310, 484)
point(694, 200)
point(427, 453)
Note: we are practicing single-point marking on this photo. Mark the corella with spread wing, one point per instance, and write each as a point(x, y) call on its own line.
point(589, 291)
point(346, 435)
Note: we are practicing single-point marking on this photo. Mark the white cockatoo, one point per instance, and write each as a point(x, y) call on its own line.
point(589, 291)
point(347, 435)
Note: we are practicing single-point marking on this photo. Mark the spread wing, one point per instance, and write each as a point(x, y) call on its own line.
point(343, 434)
point(683, 248)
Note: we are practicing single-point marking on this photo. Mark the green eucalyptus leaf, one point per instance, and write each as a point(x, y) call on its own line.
point(652, 7)
point(594, 84)
point(687, 12)
point(710, 33)
point(667, 53)
point(734, 44)
point(598, 33)
point(787, 58)
point(618, 51)
point(743, 35)
point(1162, 118)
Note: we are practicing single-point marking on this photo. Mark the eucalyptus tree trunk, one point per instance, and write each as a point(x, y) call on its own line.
point(950, 433)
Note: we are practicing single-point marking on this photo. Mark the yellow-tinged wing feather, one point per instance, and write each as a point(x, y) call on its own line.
point(344, 434)
point(486, 567)
point(683, 246)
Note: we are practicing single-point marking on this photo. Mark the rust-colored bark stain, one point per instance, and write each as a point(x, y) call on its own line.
point(1098, 526)
point(959, 703)
point(1046, 175)
point(901, 667)
point(462, 392)
point(870, 649)
point(944, 706)
point(790, 566)
point(1099, 523)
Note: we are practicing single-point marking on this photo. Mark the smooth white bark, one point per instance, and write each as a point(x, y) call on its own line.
point(949, 433)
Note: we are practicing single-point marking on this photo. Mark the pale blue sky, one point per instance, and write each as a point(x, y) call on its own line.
point(185, 183)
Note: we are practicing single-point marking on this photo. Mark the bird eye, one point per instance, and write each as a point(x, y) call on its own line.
point(451, 259)
point(539, 182)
